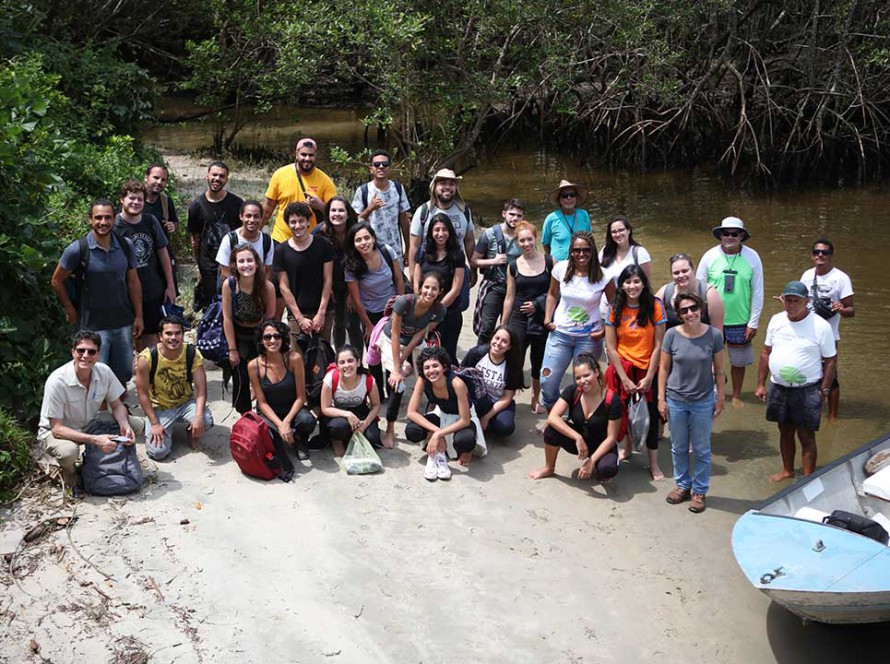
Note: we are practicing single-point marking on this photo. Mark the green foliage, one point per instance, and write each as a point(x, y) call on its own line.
point(15, 457)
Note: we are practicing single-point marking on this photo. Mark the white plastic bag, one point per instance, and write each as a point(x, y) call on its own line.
point(638, 416)
point(360, 457)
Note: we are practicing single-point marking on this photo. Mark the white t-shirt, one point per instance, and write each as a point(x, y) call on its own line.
point(836, 285)
point(493, 375)
point(611, 273)
point(385, 220)
point(66, 399)
point(348, 399)
point(461, 221)
point(798, 349)
point(224, 255)
point(577, 313)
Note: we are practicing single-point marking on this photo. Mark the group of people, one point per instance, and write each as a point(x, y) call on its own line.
point(396, 286)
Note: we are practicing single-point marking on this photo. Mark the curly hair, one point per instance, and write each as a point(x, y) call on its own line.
point(594, 272)
point(279, 327)
point(433, 353)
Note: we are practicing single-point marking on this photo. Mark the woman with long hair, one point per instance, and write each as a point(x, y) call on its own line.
point(500, 367)
point(620, 249)
point(451, 429)
point(585, 420)
point(572, 313)
point(691, 367)
point(528, 281)
point(350, 402)
point(412, 320)
point(278, 378)
point(634, 332)
point(684, 281)
point(442, 253)
point(247, 299)
point(339, 219)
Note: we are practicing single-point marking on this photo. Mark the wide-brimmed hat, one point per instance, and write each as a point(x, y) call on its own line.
point(730, 224)
point(446, 174)
point(565, 184)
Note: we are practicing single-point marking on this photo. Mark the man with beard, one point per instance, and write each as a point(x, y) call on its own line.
point(300, 182)
point(211, 217)
point(159, 204)
point(172, 387)
point(249, 233)
point(107, 291)
point(496, 248)
point(152, 260)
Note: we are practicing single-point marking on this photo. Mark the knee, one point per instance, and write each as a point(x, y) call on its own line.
point(338, 428)
point(502, 425)
point(465, 440)
point(305, 423)
point(208, 419)
point(415, 433)
point(158, 453)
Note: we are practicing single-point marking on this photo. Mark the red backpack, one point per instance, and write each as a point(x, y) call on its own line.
point(335, 379)
point(610, 396)
point(253, 449)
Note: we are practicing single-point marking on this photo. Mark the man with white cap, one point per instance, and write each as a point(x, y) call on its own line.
point(736, 272)
point(565, 221)
point(799, 355)
point(444, 197)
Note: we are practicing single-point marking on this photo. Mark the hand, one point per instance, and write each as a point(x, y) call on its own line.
point(306, 325)
point(158, 432)
point(127, 432)
point(836, 306)
point(196, 427)
point(138, 326)
point(376, 203)
point(760, 392)
point(527, 308)
point(368, 328)
point(499, 259)
point(582, 447)
point(550, 326)
point(234, 357)
point(395, 377)
point(663, 409)
point(170, 294)
point(629, 386)
point(405, 261)
point(750, 333)
point(71, 315)
point(598, 334)
point(169, 226)
point(318, 321)
point(286, 431)
point(645, 384)
point(350, 306)
point(718, 407)
point(436, 444)
point(354, 422)
point(105, 443)
point(363, 425)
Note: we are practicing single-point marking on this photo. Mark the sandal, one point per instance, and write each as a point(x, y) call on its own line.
point(678, 495)
point(697, 505)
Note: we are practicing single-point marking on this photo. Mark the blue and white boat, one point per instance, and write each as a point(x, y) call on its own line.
point(820, 572)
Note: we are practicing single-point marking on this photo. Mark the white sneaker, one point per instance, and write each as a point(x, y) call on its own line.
point(431, 472)
point(443, 472)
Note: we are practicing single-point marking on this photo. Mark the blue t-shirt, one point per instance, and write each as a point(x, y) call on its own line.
point(558, 230)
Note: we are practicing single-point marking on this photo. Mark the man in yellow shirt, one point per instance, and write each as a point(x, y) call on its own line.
point(298, 182)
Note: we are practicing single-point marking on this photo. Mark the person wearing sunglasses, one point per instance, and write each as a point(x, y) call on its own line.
point(72, 397)
point(736, 271)
point(278, 379)
point(831, 297)
point(561, 224)
point(691, 367)
point(384, 204)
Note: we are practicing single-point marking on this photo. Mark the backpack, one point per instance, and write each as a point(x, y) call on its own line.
point(211, 338)
point(115, 473)
point(267, 244)
point(190, 351)
point(256, 452)
point(77, 280)
point(318, 357)
point(387, 308)
point(501, 242)
point(473, 378)
point(624, 425)
point(400, 190)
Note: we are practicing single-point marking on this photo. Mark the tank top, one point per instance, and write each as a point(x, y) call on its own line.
point(533, 287)
point(246, 312)
point(448, 405)
point(673, 318)
point(281, 395)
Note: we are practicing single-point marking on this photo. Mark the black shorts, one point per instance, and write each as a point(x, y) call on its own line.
point(800, 407)
point(152, 315)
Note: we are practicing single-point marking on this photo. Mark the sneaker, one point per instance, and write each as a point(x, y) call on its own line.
point(443, 472)
point(431, 472)
point(302, 450)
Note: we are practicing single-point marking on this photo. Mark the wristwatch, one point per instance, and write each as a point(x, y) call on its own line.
point(826, 391)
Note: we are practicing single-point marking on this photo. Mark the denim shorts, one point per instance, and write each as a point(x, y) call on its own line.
point(798, 406)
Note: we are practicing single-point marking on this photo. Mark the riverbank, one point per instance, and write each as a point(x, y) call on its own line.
point(206, 565)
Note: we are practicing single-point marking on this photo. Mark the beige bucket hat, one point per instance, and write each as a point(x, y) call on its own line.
point(565, 184)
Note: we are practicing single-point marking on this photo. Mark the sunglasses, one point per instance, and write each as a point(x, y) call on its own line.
point(86, 351)
point(582, 250)
point(271, 335)
point(380, 164)
point(568, 194)
point(691, 309)
point(731, 233)
point(822, 252)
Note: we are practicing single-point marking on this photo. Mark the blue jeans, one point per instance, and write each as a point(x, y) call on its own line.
point(185, 412)
point(691, 422)
point(561, 349)
point(117, 352)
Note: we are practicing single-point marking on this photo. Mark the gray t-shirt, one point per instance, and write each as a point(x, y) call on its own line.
point(411, 323)
point(691, 377)
point(385, 220)
point(462, 220)
point(376, 286)
point(489, 247)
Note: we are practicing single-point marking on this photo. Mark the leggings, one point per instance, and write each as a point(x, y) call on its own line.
point(244, 339)
point(302, 426)
point(449, 330)
point(606, 467)
point(536, 343)
point(504, 423)
point(347, 322)
point(463, 441)
point(337, 428)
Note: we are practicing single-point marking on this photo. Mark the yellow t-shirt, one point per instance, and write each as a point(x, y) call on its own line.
point(170, 388)
point(284, 188)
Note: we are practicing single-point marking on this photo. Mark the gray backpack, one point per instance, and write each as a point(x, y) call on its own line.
point(114, 474)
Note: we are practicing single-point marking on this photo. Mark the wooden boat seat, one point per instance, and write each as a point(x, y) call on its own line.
point(878, 485)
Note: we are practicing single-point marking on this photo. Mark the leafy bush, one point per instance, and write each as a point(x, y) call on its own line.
point(15, 457)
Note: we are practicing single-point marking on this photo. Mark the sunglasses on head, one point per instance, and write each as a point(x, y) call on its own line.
point(380, 164)
point(271, 335)
point(731, 233)
point(86, 351)
point(691, 309)
point(569, 194)
point(822, 252)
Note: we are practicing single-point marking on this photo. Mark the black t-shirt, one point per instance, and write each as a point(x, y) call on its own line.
point(596, 428)
point(158, 210)
point(148, 238)
point(446, 267)
point(213, 221)
point(305, 271)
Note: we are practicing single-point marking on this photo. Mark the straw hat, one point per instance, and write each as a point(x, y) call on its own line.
point(565, 184)
point(730, 224)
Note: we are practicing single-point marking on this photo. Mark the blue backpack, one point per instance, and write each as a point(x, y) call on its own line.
point(211, 339)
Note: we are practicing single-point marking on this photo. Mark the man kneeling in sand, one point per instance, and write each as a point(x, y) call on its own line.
point(172, 387)
point(72, 399)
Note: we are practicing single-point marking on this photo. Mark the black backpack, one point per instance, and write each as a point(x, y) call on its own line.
point(400, 190)
point(190, 351)
point(317, 357)
point(267, 244)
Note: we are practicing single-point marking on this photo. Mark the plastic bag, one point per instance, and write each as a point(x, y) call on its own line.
point(360, 457)
point(638, 414)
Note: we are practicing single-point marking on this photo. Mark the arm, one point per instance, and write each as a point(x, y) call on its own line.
point(456, 284)
point(167, 267)
point(196, 246)
point(715, 309)
point(720, 381)
point(299, 369)
point(318, 319)
point(291, 303)
point(610, 441)
point(63, 432)
point(399, 277)
point(134, 289)
point(359, 308)
point(828, 371)
point(762, 372)
point(414, 414)
point(405, 226)
point(463, 407)
point(229, 324)
point(60, 276)
point(756, 296)
point(373, 414)
point(654, 359)
point(507, 311)
point(413, 247)
point(499, 405)
point(469, 247)
point(122, 417)
point(550, 306)
point(269, 299)
point(555, 420)
point(328, 409)
point(845, 307)
point(196, 426)
point(664, 370)
point(156, 435)
point(609, 291)
point(269, 206)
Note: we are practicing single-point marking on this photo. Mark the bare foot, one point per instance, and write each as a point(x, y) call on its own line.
point(779, 477)
point(389, 440)
point(539, 427)
point(538, 408)
point(737, 402)
point(465, 458)
point(625, 453)
point(542, 473)
point(586, 470)
point(656, 472)
point(606, 480)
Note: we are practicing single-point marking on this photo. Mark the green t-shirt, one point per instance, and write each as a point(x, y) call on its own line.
point(744, 302)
